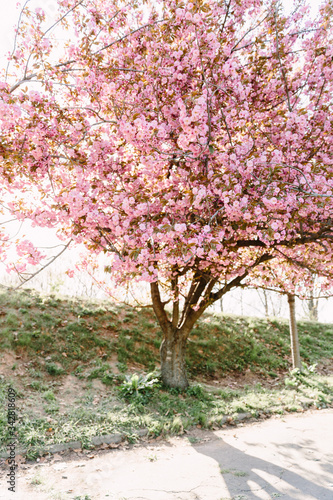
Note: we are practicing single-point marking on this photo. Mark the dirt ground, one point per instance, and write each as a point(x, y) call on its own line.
point(287, 457)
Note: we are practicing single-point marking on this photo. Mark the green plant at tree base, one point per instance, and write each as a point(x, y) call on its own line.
point(138, 383)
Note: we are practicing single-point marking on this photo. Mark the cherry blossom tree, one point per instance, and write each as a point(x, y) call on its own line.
point(190, 141)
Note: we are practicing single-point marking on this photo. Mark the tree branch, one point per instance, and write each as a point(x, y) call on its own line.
point(25, 280)
point(158, 306)
point(280, 62)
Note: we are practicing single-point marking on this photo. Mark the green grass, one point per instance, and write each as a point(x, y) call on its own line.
point(85, 332)
point(68, 361)
point(158, 410)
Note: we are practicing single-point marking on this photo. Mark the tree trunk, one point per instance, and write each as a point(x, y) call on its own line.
point(295, 351)
point(177, 328)
point(172, 351)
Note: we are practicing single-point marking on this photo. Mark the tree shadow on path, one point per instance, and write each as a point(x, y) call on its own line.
point(254, 471)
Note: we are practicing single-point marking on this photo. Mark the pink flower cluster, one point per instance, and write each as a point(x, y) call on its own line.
point(180, 139)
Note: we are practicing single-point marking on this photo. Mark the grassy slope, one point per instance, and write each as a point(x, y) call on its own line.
point(67, 358)
point(88, 334)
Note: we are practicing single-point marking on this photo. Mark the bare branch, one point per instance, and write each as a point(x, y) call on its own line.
point(127, 35)
point(226, 125)
point(249, 31)
point(280, 62)
point(62, 17)
point(111, 248)
point(25, 280)
point(226, 16)
point(15, 40)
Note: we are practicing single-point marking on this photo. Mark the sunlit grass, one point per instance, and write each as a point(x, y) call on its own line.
point(85, 332)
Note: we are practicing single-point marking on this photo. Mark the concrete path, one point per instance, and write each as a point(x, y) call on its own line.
point(289, 458)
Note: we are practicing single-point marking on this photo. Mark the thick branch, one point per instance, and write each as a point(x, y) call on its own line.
point(189, 297)
point(158, 306)
point(175, 308)
point(195, 293)
point(237, 281)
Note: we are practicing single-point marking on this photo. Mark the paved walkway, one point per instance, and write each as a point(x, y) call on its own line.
point(288, 458)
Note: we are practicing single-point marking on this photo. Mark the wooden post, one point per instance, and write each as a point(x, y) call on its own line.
point(294, 342)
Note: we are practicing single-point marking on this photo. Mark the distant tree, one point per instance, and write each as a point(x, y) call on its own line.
point(192, 141)
point(311, 304)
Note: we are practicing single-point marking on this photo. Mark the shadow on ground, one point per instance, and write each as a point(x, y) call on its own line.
point(289, 460)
